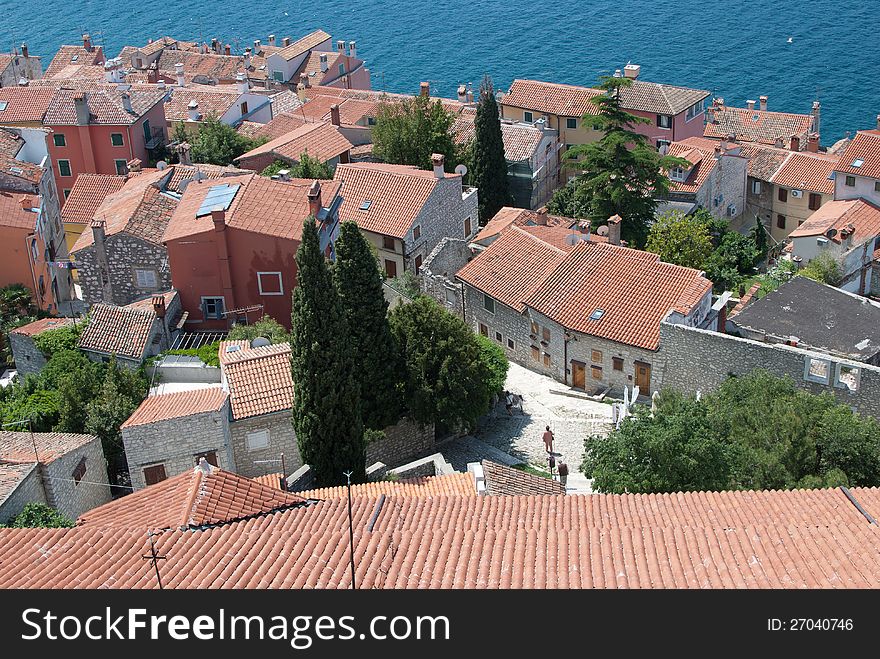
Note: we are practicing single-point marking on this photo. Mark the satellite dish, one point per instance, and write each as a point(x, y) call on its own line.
point(602, 230)
point(574, 238)
point(461, 170)
point(260, 342)
point(161, 165)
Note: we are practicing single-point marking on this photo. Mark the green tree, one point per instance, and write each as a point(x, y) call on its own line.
point(489, 173)
point(849, 443)
point(326, 406)
point(217, 143)
point(266, 327)
point(447, 380)
point(759, 237)
point(359, 284)
point(680, 239)
point(61, 338)
point(732, 261)
point(78, 382)
point(495, 359)
point(823, 268)
point(306, 167)
point(39, 516)
point(407, 132)
point(621, 174)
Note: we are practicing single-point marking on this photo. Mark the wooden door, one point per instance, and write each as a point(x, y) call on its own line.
point(578, 375)
point(643, 378)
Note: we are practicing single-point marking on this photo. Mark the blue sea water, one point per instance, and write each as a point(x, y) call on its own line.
point(736, 49)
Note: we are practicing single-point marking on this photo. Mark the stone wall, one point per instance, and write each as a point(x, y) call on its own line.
point(176, 443)
point(510, 324)
point(442, 216)
point(28, 359)
point(693, 359)
point(438, 274)
point(502, 480)
point(402, 442)
point(124, 254)
point(29, 490)
point(68, 497)
point(282, 439)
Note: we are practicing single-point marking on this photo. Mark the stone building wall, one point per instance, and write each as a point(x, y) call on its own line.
point(282, 439)
point(29, 490)
point(438, 274)
point(442, 216)
point(124, 254)
point(176, 443)
point(692, 359)
point(402, 442)
point(71, 498)
point(28, 358)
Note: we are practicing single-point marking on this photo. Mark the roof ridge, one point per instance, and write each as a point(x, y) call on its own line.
point(199, 489)
point(784, 163)
point(532, 236)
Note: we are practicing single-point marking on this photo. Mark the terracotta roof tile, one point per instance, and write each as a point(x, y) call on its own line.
point(19, 446)
point(807, 171)
point(303, 45)
point(105, 104)
point(73, 55)
point(320, 140)
point(39, 326)
point(758, 125)
point(281, 124)
point(284, 101)
point(521, 140)
point(200, 496)
point(272, 480)
point(701, 154)
point(637, 292)
point(13, 215)
point(397, 194)
point(202, 170)
point(177, 404)
point(865, 146)
point(124, 331)
point(508, 215)
point(502, 480)
point(10, 142)
point(25, 104)
point(311, 66)
point(425, 486)
point(551, 98)
point(198, 67)
point(227, 348)
point(260, 380)
point(87, 195)
point(213, 101)
point(862, 215)
point(763, 161)
point(646, 96)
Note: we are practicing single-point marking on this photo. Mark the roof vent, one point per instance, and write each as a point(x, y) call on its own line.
point(260, 342)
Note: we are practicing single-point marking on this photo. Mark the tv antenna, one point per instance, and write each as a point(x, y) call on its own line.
point(154, 558)
point(347, 475)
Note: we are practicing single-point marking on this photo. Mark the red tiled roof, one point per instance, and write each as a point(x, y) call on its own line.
point(551, 98)
point(509, 215)
point(261, 205)
point(311, 66)
point(281, 124)
point(284, 101)
point(177, 404)
point(512, 267)
point(123, 331)
point(39, 326)
point(457, 483)
point(521, 140)
point(865, 146)
point(303, 45)
point(397, 194)
point(634, 289)
point(796, 539)
point(87, 195)
point(13, 215)
point(202, 170)
point(191, 499)
point(10, 142)
point(646, 96)
point(73, 55)
point(211, 101)
point(201, 66)
point(260, 380)
point(862, 215)
point(105, 105)
point(227, 348)
point(25, 104)
point(763, 161)
point(701, 154)
point(807, 171)
point(320, 140)
point(758, 125)
point(19, 446)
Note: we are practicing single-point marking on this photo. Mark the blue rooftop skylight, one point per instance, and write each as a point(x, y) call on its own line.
point(858, 162)
point(365, 204)
point(3, 105)
point(219, 196)
point(597, 314)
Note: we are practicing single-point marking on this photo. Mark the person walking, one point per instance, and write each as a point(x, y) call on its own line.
point(548, 440)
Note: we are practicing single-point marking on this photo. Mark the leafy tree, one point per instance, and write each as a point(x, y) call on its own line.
point(16, 309)
point(496, 363)
point(447, 380)
point(489, 172)
point(680, 239)
point(180, 133)
point(266, 327)
point(61, 338)
point(732, 261)
point(40, 407)
point(326, 407)
point(306, 167)
point(849, 443)
point(776, 276)
point(407, 132)
point(621, 174)
point(359, 284)
point(39, 515)
point(759, 236)
point(825, 269)
point(217, 143)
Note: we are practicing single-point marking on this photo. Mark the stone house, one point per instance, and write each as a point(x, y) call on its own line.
point(405, 212)
point(134, 332)
point(320, 140)
point(63, 470)
point(28, 358)
point(586, 313)
point(120, 256)
point(715, 178)
point(14, 66)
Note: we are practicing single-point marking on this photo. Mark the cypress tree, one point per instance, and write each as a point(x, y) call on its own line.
point(326, 401)
point(489, 174)
point(359, 284)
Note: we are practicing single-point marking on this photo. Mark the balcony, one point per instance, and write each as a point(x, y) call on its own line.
point(157, 139)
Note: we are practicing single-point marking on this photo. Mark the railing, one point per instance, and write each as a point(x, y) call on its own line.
point(157, 138)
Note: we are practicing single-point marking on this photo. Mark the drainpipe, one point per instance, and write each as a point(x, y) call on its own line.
point(565, 339)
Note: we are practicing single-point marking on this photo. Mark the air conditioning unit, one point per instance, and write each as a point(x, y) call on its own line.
point(731, 210)
point(797, 194)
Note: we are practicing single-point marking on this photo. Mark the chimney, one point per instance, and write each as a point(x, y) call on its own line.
point(721, 326)
point(159, 306)
point(632, 71)
point(257, 46)
point(878, 122)
point(470, 93)
point(283, 175)
point(178, 71)
point(126, 101)
point(584, 227)
point(778, 143)
point(204, 466)
point(462, 93)
point(228, 50)
point(23, 82)
point(323, 58)
point(795, 143)
point(813, 143)
point(214, 45)
point(87, 42)
point(763, 101)
point(816, 111)
point(719, 101)
point(24, 50)
point(352, 49)
point(82, 109)
point(134, 165)
point(183, 150)
point(340, 47)
point(193, 110)
point(334, 114)
point(285, 42)
point(614, 230)
point(218, 216)
point(241, 82)
point(26, 203)
point(437, 161)
point(425, 89)
point(750, 105)
point(541, 218)
point(271, 39)
point(247, 57)
point(304, 80)
point(315, 199)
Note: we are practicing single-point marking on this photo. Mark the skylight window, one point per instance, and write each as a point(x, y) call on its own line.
point(755, 117)
point(858, 162)
point(74, 58)
point(597, 314)
point(3, 105)
point(365, 204)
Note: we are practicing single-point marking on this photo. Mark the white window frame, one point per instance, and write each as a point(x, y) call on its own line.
point(146, 286)
point(809, 377)
point(251, 436)
point(665, 118)
point(121, 135)
point(756, 187)
point(280, 283)
point(124, 169)
point(213, 297)
point(855, 370)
